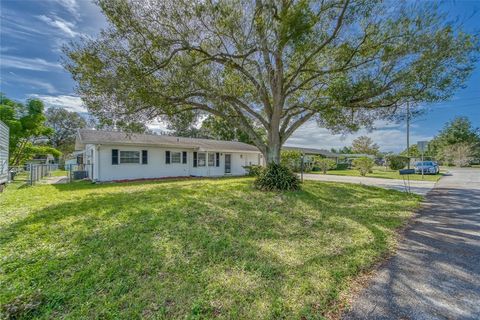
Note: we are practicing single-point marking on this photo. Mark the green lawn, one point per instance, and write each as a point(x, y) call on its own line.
point(380, 172)
point(190, 249)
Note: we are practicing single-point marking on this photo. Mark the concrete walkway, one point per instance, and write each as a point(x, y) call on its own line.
point(418, 187)
point(436, 272)
point(55, 180)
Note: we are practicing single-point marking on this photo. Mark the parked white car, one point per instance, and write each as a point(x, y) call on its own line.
point(428, 167)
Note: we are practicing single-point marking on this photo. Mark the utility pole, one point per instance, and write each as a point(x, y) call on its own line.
point(408, 133)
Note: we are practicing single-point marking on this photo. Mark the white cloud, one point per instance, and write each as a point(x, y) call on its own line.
point(71, 6)
point(389, 136)
point(35, 64)
point(71, 103)
point(158, 126)
point(66, 27)
point(41, 84)
point(29, 82)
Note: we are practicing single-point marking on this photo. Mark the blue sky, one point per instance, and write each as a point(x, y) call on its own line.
point(33, 31)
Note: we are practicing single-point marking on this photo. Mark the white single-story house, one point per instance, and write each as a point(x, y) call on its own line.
point(113, 155)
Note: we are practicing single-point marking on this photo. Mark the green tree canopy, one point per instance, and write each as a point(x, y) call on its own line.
point(269, 64)
point(455, 133)
point(65, 125)
point(27, 129)
point(364, 144)
point(458, 130)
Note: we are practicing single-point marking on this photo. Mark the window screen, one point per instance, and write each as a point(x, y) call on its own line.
point(211, 159)
point(201, 161)
point(176, 157)
point(129, 156)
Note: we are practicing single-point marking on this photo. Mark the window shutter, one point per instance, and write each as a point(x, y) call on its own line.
point(144, 156)
point(184, 157)
point(195, 159)
point(167, 157)
point(114, 156)
point(217, 159)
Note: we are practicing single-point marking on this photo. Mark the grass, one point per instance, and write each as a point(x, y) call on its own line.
point(59, 173)
point(381, 172)
point(190, 249)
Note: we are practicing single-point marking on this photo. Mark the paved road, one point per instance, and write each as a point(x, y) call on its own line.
point(436, 271)
point(419, 187)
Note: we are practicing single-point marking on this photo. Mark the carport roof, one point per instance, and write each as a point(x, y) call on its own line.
point(312, 151)
point(87, 136)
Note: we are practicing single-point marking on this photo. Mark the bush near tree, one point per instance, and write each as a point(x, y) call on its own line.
point(291, 159)
point(254, 170)
point(396, 162)
point(276, 177)
point(364, 165)
point(325, 164)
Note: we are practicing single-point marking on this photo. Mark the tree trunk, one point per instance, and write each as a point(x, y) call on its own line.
point(273, 148)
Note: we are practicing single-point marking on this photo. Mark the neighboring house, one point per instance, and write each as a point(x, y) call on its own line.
point(356, 155)
point(112, 155)
point(4, 141)
point(309, 152)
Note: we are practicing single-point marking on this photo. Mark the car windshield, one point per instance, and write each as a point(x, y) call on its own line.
point(425, 163)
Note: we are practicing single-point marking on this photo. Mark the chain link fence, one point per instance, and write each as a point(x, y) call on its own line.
point(31, 173)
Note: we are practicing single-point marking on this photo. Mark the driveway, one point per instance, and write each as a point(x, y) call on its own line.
point(418, 187)
point(435, 273)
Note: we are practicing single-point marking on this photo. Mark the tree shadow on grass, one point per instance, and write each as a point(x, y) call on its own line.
point(176, 252)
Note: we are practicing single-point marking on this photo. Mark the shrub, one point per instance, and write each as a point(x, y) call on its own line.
point(254, 170)
point(325, 164)
point(342, 166)
point(276, 177)
point(291, 159)
point(364, 165)
point(397, 162)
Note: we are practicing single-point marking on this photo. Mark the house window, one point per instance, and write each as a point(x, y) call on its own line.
point(114, 156)
point(176, 157)
point(144, 157)
point(184, 157)
point(129, 156)
point(211, 159)
point(201, 159)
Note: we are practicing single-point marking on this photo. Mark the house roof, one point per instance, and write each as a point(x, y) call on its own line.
point(86, 136)
point(313, 151)
point(356, 155)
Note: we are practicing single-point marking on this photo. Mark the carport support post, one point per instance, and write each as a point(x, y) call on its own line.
point(301, 166)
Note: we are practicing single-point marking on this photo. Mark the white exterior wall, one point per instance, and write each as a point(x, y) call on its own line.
point(4, 144)
point(104, 170)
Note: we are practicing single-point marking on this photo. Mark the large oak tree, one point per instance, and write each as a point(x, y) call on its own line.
point(269, 64)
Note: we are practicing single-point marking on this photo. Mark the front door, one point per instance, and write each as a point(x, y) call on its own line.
point(228, 163)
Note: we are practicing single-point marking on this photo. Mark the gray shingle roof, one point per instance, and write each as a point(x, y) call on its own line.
point(322, 152)
point(85, 136)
